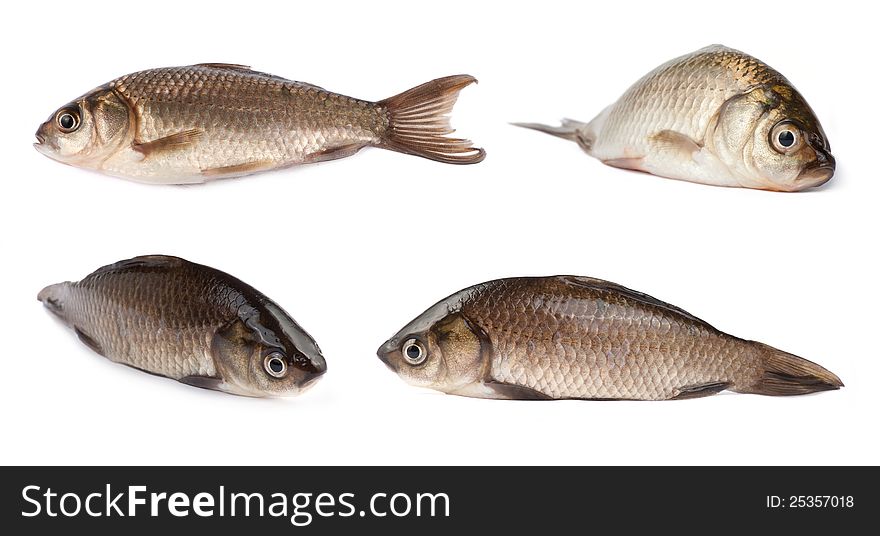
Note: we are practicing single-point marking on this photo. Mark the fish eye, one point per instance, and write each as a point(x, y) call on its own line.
point(275, 365)
point(67, 119)
point(414, 352)
point(785, 137)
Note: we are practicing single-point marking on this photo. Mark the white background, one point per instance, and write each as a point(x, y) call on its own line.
point(356, 248)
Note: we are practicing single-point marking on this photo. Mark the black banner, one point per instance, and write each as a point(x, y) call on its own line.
point(437, 500)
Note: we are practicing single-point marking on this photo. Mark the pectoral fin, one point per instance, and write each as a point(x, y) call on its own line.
point(675, 142)
point(204, 382)
point(88, 341)
point(700, 390)
point(635, 164)
point(173, 142)
point(509, 391)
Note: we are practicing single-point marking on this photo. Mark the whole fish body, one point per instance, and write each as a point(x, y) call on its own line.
point(191, 323)
point(568, 337)
point(716, 116)
point(191, 124)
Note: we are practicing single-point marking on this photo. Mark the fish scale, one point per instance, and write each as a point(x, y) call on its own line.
point(263, 118)
point(680, 95)
point(119, 311)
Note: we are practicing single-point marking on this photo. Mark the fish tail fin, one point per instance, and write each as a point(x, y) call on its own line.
point(576, 131)
point(786, 374)
point(53, 298)
point(419, 122)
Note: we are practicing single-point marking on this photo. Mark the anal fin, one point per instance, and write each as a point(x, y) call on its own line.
point(333, 153)
point(700, 390)
point(172, 142)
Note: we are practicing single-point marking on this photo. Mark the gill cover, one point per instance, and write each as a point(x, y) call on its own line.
point(741, 135)
point(240, 349)
point(112, 117)
point(465, 350)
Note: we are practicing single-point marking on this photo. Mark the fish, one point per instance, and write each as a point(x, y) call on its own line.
point(191, 323)
point(715, 116)
point(188, 125)
point(572, 337)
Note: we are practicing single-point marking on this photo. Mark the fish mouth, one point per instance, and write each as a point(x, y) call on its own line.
point(310, 378)
point(817, 176)
point(41, 145)
point(819, 172)
point(314, 369)
point(45, 149)
point(309, 370)
point(384, 352)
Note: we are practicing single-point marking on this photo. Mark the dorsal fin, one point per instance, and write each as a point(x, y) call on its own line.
point(230, 66)
point(600, 284)
point(247, 69)
point(147, 261)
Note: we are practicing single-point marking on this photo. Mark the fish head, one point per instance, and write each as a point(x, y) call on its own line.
point(87, 130)
point(441, 349)
point(772, 140)
point(264, 352)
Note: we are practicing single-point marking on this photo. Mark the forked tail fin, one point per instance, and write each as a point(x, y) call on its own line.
point(570, 129)
point(419, 122)
point(786, 374)
point(53, 298)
